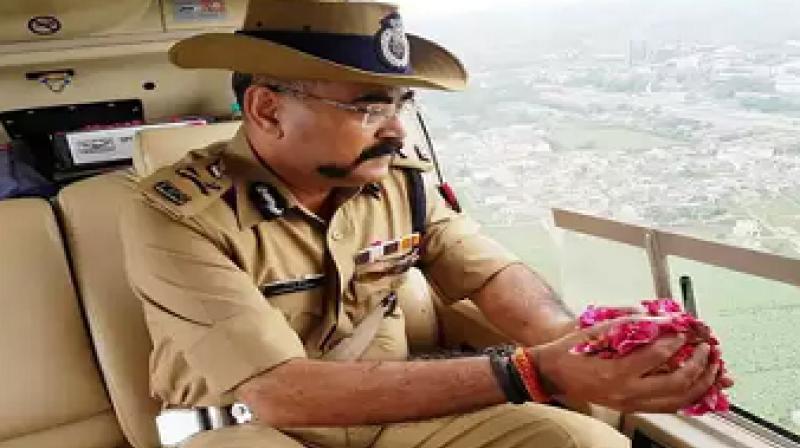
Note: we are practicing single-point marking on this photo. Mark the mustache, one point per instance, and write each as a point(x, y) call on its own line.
point(382, 148)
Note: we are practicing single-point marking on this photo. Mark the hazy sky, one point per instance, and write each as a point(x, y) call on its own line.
point(425, 8)
point(608, 23)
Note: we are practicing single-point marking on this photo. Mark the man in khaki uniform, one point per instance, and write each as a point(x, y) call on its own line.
point(259, 261)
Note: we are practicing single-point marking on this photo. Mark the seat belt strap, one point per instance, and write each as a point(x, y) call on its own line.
point(416, 199)
point(352, 347)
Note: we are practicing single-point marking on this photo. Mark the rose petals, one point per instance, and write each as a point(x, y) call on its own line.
point(593, 315)
point(625, 338)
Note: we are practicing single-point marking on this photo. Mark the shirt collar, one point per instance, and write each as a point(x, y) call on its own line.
point(246, 169)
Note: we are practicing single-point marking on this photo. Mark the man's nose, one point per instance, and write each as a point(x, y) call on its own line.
point(392, 127)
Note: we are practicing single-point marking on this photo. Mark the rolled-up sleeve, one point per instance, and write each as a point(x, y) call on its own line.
point(210, 325)
point(457, 258)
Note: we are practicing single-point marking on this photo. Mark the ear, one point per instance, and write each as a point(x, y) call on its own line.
point(261, 110)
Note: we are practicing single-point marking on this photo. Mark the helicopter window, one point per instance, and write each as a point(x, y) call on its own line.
point(678, 115)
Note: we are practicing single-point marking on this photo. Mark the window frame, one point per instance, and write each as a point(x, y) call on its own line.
point(661, 244)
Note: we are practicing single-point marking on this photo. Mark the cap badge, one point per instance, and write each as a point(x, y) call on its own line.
point(393, 47)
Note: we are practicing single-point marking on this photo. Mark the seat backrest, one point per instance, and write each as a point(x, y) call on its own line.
point(52, 394)
point(156, 148)
point(89, 210)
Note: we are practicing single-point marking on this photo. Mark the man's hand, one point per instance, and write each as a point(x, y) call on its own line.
point(626, 384)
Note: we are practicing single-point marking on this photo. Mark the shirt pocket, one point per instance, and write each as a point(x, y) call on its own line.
point(299, 299)
point(386, 265)
point(375, 279)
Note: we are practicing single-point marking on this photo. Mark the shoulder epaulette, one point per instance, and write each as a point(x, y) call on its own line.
point(189, 186)
point(413, 158)
point(412, 163)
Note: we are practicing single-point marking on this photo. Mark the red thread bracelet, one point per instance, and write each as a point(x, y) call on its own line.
point(524, 362)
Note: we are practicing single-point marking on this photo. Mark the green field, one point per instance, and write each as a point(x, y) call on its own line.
point(755, 319)
point(593, 137)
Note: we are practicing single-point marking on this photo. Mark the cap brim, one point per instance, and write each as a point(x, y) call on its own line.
point(433, 66)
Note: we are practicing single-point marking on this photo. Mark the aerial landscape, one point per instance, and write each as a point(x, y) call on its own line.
point(677, 115)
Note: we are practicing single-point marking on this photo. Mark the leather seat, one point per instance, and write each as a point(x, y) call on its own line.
point(52, 394)
point(89, 213)
point(160, 147)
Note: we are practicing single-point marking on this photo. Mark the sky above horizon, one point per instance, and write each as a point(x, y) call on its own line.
point(428, 8)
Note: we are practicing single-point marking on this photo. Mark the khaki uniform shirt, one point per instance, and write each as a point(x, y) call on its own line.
point(236, 277)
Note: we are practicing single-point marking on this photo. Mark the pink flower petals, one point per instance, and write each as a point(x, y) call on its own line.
point(593, 315)
point(624, 338)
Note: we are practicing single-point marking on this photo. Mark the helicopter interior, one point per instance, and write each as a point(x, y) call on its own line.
point(89, 99)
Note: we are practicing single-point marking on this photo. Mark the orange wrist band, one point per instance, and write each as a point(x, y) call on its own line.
point(524, 362)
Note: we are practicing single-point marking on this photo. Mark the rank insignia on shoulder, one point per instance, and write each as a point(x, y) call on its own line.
point(267, 199)
point(422, 153)
point(173, 194)
point(416, 158)
point(191, 174)
point(186, 188)
point(216, 169)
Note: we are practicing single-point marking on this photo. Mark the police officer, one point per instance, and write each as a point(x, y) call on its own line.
point(274, 268)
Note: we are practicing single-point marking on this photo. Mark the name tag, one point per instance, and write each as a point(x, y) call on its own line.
point(281, 287)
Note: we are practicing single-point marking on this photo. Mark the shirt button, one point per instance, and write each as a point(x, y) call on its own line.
point(336, 235)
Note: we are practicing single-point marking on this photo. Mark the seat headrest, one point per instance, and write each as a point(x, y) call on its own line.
point(159, 147)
